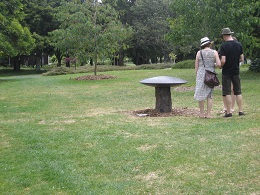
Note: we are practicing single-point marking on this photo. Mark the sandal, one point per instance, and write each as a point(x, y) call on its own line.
point(223, 111)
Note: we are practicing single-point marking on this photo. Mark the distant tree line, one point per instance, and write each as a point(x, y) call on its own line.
point(145, 31)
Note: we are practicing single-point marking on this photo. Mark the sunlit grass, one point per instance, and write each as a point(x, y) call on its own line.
point(62, 136)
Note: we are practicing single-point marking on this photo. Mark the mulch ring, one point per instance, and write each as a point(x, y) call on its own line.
point(175, 112)
point(152, 112)
point(95, 77)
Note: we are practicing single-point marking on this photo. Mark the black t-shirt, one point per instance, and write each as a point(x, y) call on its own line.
point(232, 50)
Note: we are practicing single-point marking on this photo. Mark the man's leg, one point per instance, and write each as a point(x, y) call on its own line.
point(226, 92)
point(224, 104)
point(238, 93)
point(239, 103)
point(228, 100)
point(233, 97)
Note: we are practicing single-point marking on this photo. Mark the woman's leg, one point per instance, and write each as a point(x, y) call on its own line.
point(209, 107)
point(201, 106)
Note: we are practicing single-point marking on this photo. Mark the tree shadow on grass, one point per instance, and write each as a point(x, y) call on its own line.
point(10, 72)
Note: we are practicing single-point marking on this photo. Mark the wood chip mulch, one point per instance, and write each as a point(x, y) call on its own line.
point(152, 112)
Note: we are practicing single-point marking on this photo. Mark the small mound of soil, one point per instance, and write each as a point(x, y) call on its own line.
point(95, 77)
point(175, 112)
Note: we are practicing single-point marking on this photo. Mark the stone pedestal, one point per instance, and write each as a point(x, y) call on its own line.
point(163, 86)
point(163, 99)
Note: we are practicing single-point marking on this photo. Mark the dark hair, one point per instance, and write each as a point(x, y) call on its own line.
point(206, 45)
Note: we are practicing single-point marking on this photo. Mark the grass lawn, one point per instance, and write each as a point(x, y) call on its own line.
point(62, 136)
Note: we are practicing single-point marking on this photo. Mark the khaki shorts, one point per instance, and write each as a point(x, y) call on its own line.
point(226, 84)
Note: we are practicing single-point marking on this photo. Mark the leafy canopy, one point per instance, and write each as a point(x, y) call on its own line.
point(89, 29)
point(15, 38)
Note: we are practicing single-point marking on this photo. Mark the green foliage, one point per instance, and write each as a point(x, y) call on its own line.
point(186, 64)
point(149, 21)
point(255, 65)
point(89, 31)
point(15, 38)
point(53, 59)
point(190, 25)
point(208, 17)
point(40, 18)
point(247, 14)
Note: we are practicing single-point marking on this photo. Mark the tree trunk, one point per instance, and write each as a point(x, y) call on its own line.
point(95, 64)
point(58, 55)
point(17, 65)
point(59, 62)
point(163, 99)
point(38, 64)
point(68, 61)
point(121, 58)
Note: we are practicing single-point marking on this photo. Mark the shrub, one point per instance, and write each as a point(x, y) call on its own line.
point(186, 64)
point(102, 68)
point(153, 66)
point(255, 65)
point(53, 59)
point(58, 71)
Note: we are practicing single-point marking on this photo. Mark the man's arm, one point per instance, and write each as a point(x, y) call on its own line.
point(223, 60)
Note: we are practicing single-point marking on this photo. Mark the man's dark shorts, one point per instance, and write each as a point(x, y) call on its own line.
point(226, 84)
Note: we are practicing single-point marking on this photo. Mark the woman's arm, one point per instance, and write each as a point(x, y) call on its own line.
point(197, 62)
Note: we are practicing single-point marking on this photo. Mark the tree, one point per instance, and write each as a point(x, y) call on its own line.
point(123, 8)
point(246, 13)
point(40, 18)
point(149, 21)
point(89, 28)
point(15, 39)
point(195, 19)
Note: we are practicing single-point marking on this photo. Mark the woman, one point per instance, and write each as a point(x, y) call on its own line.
point(202, 91)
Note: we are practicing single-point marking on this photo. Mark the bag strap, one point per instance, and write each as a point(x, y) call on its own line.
point(202, 57)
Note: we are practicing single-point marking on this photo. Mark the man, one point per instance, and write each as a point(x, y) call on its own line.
point(231, 53)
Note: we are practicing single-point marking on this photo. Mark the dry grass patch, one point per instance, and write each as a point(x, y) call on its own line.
point(68, 121)
point(130, 135)
point(146, 147)
point(151, 177)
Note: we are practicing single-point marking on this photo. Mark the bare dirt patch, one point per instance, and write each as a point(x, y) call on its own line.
point(175, 112)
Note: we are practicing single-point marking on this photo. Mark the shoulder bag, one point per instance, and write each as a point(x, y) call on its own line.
point(211, 78)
